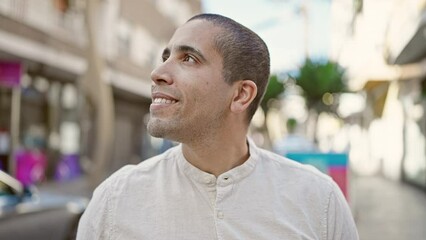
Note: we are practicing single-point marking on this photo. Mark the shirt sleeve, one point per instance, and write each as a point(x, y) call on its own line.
point(340, 222)
point(94, 224)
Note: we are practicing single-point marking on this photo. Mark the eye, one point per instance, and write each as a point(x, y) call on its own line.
point(189, 58)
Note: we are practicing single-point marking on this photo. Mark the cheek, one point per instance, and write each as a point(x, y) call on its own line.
point(206, 90)
point(200, 86)
point(195, 94)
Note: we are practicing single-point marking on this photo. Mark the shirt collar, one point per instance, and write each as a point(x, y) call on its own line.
point(232, 176)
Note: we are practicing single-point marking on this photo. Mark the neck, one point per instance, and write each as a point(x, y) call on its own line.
point(218, 154)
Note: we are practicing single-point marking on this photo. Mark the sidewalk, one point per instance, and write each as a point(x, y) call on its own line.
point(77, 187)
point(388, 210)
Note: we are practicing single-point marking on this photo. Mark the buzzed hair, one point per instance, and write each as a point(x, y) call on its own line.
point(245, 55)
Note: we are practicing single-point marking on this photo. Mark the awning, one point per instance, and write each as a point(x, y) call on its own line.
point(415, 50)
point(406, 33)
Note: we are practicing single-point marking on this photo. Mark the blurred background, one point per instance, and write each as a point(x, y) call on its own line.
point(347, 94)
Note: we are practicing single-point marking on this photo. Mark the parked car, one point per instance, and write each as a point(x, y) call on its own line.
point(27, 213)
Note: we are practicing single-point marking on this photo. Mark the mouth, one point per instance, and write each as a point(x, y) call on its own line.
point(161, 100)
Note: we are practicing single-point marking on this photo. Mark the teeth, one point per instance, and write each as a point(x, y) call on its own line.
point(163, 100)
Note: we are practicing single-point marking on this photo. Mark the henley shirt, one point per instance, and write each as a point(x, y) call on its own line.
point(268, 197)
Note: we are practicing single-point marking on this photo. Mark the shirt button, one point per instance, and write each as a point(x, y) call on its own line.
point(220, 214)
point(209, 181)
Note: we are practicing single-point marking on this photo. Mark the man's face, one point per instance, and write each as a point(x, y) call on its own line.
point(190, 98)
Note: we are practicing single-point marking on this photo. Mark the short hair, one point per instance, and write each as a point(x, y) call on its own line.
point(245, 55)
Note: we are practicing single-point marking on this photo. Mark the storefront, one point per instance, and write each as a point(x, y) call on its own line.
point(39, 126)
point(412, 52)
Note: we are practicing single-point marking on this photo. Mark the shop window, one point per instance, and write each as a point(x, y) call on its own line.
point(34, 115)
point(31, 159)
point(50, 127)
point(5, 140)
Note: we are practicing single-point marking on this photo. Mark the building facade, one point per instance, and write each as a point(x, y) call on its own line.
point(382, 43)
point(84, 72)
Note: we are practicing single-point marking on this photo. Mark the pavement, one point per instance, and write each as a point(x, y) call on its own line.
point(383, 209)
point(75, 187)
point(388, 210)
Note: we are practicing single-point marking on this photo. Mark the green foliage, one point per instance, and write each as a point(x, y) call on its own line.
point(274, 89)
point(319, 80)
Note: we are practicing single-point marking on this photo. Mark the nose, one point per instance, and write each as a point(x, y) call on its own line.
point(161, 75)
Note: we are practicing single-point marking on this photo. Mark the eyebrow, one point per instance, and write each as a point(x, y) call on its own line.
point(187, 49)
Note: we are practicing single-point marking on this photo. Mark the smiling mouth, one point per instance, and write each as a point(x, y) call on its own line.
point(164, 101)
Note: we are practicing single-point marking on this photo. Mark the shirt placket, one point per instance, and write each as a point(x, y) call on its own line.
point(223, 190)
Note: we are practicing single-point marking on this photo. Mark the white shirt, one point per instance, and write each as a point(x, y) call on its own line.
point(268, 197)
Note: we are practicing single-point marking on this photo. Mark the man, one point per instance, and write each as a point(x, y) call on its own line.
point(216, 184)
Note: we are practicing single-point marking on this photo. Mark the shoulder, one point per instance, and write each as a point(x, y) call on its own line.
point(304, 182)
point(143, 172)
point(288, 167)
point(130, 177)
point(146, 169)
point(314, 190)
point(98, 219)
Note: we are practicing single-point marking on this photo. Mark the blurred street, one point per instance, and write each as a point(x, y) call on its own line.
point(383, 209)
point(346, 93)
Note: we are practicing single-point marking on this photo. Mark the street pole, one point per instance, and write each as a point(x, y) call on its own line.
point(305, 15)
point(15, 117)
point(100, 94)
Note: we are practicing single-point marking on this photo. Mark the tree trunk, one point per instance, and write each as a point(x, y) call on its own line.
point(99, 93)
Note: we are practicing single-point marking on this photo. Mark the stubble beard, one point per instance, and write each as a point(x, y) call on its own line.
point(185, 132)
point(159, 129)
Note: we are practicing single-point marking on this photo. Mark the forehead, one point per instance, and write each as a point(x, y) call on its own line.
point(196, 33)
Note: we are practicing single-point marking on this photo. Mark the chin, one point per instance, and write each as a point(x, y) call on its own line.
point(159, 129)
point(155, 131)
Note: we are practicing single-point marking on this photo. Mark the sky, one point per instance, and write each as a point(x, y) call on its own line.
point(280, 24)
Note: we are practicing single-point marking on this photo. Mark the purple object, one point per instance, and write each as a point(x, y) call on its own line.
point(68, 168)
point(10, 73)
point(30, 166)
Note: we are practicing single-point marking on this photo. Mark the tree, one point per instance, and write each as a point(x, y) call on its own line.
point(320, 81)
point(99, 95)
point(273, 90)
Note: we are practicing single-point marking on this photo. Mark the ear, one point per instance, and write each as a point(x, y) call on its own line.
point(245, 92)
